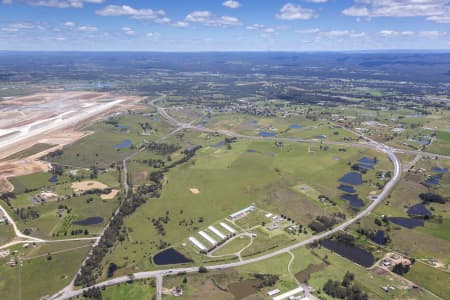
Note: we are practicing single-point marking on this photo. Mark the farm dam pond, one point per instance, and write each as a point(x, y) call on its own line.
point(170, 257)
point(355, 254)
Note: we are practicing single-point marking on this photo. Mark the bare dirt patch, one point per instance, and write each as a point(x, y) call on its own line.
point(141, 176)
point(194, 191)
point(19, 168)
point(110, 195)
point(87, 185)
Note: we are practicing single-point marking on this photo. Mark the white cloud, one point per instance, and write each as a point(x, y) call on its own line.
point(128, 31)
point(163, 20)
point(263, 28)
point(343, 33)
point(157, 16)
point(60, 39)
point(311, 30)
point(126, 10)
point(433, 10)
point(87, 29)
point(180, 24)
point(15, 27)
point(55, 3)
point(432, 34)
point(356, 11)
point(231, 4)
point(443, 18)
point(69, 24)
point(291, 12)
point(393, 33)
point(153, 34)
point(209, 19)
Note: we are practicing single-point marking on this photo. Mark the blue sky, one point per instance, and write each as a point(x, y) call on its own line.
point(227, 25)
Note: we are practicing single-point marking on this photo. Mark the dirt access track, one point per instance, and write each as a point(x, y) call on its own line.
point(52, 118)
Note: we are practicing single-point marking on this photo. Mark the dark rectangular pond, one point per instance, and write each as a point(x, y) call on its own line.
point(422, 141)
point(89, 221)
point(432, 181)
point(354, 200)
point(406, 222)
point(418, 210)
point(296, 126)
point(219, 144)
point(379, 238)
point(320, 136)
point(251, 151)
point(355, 254)
point(439, 170)
point(53, 179)
point(347, 188)
point(121, 127)
point(353, 178)
point(267, 134)
point(170, 257)
point(368, 161)
point(123, 144)
point(112, 268)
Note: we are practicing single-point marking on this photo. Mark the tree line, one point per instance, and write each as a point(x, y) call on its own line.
point(92, 269)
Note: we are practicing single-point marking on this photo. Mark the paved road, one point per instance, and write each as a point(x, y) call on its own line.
point(159, 287)
point(65, 294)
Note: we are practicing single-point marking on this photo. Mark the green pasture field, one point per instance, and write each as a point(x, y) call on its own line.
point(6, 233)
point(233, 246)
point(22, 282)
point(433, 238)
point(369, 280)
point(36, 148)
point(251, 125)
point(441, 145)
point(138, 290)
point(230, 180)
point(430, 278)
point(98, 148)
point(36, 181)
point(42, 249)
point(49, 223)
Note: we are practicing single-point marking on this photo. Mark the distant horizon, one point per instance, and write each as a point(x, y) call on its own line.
point(235, 51)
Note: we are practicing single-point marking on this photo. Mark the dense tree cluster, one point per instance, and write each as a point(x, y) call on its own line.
point(430, 197)
point(266, 280)
point(57, 169)
point(7, 196)
point(28, 213)
point(161, 148)
point(345, 238)
point(371, 233)
point(54, 154)
point(79, 232)
point(345, 289)
point(322, 223)
point(154, 163)
point(401, 269)
point(93, 293)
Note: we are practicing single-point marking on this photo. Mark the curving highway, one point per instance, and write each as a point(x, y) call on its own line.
point(68, 293)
